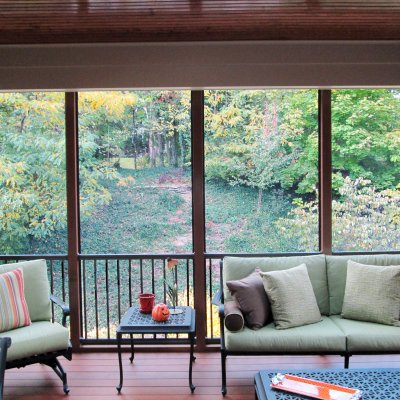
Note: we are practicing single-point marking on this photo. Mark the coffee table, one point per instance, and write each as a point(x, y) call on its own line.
point(134, 322)
point(376, 384)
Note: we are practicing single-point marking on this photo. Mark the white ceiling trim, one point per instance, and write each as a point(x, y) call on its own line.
point(199, 65)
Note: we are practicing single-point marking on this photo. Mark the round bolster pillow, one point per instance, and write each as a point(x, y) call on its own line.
point(234, 320)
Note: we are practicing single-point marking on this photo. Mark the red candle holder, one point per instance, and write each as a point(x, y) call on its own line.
point(146, 301)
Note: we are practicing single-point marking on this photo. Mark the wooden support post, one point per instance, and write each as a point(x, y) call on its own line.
point(325, 165)
point(197, 102)
point(71, 128)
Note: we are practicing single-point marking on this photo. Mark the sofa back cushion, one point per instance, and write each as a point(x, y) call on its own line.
point(337, 272)
point(235, 268)
point(36, 287)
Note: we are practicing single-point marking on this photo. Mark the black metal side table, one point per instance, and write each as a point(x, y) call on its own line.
point(134, 322)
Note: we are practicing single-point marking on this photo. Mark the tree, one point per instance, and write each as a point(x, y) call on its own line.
point(365, 219)
point(365, 132)
point(106, 116)
point(262, 139)
point(32, 170)
point(162, 120)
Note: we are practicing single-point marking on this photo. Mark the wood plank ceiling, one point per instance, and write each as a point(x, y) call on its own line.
point(91, 21)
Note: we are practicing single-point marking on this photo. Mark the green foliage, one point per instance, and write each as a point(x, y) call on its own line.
point(32, 168)
point(137, 219)
point(270, 138)
point(363, 220)
point(262, 139)
point(261, 143)
point(365, 136)
point(232, 225)
point(32, 171)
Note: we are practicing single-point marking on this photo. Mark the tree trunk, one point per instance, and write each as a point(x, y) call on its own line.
point(259, 199)
point(175, 149)
point(180, 145)
point(134, 154)
point(133, 136)
point(152, 150)
point(161, 148)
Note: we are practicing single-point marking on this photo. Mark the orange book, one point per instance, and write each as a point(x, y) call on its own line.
point(314, 389)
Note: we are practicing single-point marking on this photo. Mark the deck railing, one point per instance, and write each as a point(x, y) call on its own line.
point(110, 284)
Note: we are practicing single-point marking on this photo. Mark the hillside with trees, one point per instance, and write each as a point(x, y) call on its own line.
point(261, 153)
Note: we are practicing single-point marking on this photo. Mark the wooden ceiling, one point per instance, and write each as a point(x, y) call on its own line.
point(91, 21)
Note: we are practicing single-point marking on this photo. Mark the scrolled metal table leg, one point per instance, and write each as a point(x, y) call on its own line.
point(132, 349)
point(192, 358)
point(121, 374)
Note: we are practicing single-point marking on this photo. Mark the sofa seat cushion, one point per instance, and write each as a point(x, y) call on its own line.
point(37, 338)
point(368, 336)
point(325, 336)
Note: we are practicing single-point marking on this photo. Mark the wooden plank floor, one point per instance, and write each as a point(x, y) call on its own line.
point(163, 376)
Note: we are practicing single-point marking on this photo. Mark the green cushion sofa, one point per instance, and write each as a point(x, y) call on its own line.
point(42, 341)
point(334, 335)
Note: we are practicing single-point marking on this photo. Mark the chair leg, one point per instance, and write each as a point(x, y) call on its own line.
point(58, 369)
point(346, 361)
point(223, 371)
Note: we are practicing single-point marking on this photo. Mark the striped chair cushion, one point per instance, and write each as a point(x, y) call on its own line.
point(13, 308)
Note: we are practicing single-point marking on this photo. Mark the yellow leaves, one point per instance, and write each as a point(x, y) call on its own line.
point(11, 173)
point(113, 103)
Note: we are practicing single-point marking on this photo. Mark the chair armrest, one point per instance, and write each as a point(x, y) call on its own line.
point(64, 307)
point(218, 301)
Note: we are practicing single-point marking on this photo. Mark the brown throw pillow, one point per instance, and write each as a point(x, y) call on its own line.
point(253, 301)
point(234, 320)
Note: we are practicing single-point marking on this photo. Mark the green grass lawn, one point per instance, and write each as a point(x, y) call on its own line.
point(151, 213)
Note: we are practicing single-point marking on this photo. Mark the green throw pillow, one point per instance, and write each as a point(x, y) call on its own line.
point(372, 293)
point(292, 297)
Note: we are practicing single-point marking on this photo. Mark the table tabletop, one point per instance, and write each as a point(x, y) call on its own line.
point(376, 384)
point(134, 321)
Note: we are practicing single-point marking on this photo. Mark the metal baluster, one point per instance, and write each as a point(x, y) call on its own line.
point(164, 284)
point(141, 275)
point(187, 283)
point(130, 282)
point(152, 283)
point(119, 291)
point(96, 301)
point(84, 297)
point(210, 295)
point(107, 302)
point(152, 276)
point(52, 288)
point(81, 308)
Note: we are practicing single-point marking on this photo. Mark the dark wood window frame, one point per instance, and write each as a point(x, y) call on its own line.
point(199, 246)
